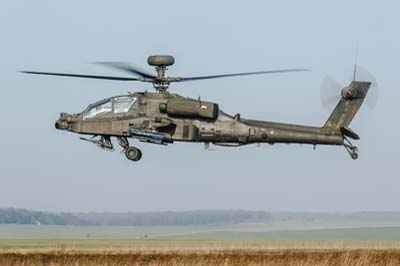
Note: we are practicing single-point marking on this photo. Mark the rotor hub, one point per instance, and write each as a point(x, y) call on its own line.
point(160, 62)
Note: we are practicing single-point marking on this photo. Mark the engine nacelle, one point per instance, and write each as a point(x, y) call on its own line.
point(190, 108)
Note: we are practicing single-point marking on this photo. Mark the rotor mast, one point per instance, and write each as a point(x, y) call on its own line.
point(160, 62)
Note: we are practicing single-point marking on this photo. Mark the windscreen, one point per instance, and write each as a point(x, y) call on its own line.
point(123, 104)
point(98, 109)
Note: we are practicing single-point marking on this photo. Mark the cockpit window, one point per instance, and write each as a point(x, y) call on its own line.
point(98, 109)
point(122, 104)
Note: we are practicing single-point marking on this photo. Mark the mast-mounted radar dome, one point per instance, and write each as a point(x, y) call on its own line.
point(160, 60)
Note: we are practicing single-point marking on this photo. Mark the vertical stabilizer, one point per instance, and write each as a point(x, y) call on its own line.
point(351, 100)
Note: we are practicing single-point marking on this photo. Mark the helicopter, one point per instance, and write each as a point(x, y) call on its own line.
point(162, 117)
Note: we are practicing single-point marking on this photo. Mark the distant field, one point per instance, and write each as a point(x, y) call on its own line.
point(192, 237)
point(196, 232)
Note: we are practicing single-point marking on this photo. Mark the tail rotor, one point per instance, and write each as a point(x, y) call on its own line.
point(331, 89)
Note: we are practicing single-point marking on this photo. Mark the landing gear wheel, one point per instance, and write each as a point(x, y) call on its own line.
point(133, 154)
point(351, 149)
point(354, 156)
point(353, 153)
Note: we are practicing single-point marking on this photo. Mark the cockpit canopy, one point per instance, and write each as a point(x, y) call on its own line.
point(117, 105)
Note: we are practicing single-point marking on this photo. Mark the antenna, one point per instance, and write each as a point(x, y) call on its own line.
point(355, 64)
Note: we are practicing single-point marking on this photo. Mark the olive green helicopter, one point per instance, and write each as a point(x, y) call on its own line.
point(163, 117)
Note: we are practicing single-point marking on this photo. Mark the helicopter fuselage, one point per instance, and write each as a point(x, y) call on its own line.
point(163, 118)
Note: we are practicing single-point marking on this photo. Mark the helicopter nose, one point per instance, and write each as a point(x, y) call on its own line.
point(64, 121)
point(61, 124)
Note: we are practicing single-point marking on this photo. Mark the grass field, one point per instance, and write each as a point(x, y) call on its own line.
point(193, 244)
point(205, 257)
point(190, 245)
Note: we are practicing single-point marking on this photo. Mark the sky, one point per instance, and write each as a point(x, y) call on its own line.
point(45, 169)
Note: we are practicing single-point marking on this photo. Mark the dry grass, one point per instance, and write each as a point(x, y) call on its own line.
point(120, 257)
point(173, 252)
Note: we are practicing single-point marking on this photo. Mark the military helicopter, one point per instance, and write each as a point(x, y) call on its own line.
point(163, 117)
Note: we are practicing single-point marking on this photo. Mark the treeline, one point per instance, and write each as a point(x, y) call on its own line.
point(22, 216)
point(206, 217)
point(212, 217)
point(201, 217)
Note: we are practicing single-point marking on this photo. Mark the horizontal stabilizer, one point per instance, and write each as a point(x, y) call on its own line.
point(349, 133)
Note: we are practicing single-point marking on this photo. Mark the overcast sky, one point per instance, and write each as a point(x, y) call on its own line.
point(45, 169)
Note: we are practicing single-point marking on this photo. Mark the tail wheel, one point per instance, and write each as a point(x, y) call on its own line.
point(133, 154)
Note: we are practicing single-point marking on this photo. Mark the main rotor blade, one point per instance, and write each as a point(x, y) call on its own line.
point(243, 74)
point(81, 76)
point(127, 68)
